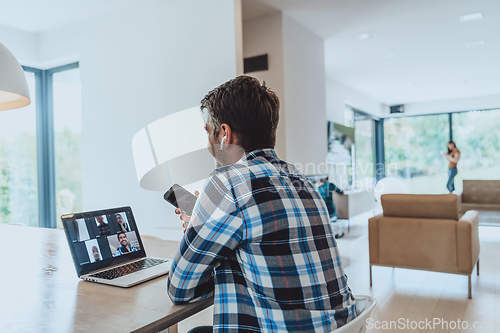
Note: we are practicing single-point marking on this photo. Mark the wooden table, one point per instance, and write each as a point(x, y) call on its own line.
point(40, 291)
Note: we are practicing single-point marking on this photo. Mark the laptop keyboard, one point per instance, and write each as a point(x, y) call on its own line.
point(128, 269)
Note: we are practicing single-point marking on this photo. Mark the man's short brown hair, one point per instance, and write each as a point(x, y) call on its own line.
point(248, 107)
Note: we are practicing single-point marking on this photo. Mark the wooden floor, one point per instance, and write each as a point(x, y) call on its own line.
point(413, 295)
point(420, 295)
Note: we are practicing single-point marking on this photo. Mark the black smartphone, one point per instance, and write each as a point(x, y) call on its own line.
point(181, 198)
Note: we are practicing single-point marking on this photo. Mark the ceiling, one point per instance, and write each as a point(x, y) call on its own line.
point(42, 15)
point(397, 51)
point(401, 51)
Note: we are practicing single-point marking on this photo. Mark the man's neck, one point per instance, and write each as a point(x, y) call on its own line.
point(230, 158)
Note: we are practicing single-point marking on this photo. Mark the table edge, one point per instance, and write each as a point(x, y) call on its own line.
point(185, 312)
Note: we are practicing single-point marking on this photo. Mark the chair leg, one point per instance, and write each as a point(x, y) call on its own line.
point(477, 267)
point(370, 276)
point(470, 289)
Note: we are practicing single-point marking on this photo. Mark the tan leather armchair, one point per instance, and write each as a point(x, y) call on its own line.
point(424, 232)
point(480, 195)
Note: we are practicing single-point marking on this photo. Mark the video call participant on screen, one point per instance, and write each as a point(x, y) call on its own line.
point(103, 227)
point(76, 230)
point(123, 226)
point(125, 245)
point(95, 253)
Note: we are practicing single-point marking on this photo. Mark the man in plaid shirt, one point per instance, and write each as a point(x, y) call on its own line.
point(259, 240)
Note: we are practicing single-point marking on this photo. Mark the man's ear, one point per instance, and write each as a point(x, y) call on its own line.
point(225, 131)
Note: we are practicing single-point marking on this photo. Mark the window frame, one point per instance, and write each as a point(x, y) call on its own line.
point(46, 179)
point(378, 140)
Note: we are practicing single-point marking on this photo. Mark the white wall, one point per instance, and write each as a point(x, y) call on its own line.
point(22, 44)
point(305, 102)
point(339, 95)
point(297, 73)
point(138, 65)
point(260, 36)
point(238, 34)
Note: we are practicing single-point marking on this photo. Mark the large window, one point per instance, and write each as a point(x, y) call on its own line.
point(413, 151)
point(18, 163)
point(478, 138)
point(40, 150)
point(411, 148)
point(414, 146)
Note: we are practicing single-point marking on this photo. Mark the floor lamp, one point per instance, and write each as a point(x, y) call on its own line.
point(172, 150)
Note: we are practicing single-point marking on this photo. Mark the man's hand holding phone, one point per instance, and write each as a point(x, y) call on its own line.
point(183, 216)
point(184, 202)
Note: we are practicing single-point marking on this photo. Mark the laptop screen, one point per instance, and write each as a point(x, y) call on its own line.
point(103, 238)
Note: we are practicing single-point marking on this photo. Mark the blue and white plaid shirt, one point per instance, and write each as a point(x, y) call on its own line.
point(260, 241)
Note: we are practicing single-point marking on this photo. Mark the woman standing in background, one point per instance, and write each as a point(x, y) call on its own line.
point(453, 156)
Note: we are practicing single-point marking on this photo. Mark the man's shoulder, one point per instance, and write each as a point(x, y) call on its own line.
point(242, 171)
point(257, 168)
point(253, 172)
point(260, 175)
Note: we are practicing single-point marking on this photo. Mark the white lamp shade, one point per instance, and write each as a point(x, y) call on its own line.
point(172, 149)
point(14, 91)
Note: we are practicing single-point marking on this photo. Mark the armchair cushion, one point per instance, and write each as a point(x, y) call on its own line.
point(440, 206)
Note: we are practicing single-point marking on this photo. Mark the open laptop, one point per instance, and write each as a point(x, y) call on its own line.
point(107, 248)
